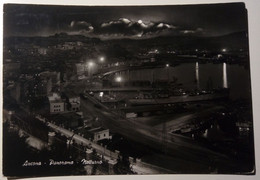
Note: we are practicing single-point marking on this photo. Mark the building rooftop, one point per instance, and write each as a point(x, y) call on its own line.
point(55, 98)
point(98, 129)
point(89, 132)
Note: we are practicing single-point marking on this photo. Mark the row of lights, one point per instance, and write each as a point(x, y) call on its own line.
point(120, 79)
point(223, 50)
point(91, 63)
point(101, 60)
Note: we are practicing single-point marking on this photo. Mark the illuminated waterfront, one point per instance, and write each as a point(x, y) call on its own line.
point(197, 76)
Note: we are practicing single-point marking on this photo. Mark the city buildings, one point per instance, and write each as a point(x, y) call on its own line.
point(57, 104)
point(80, 69)
point(100, 134)
point(73, 101)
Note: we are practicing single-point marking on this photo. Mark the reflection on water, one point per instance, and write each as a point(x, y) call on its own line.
point(213, 133)
point(205, 134)
point(197, 75)
point(225, 84)
point(194, 75)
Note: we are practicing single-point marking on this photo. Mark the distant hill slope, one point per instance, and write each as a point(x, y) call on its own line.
point(233, 41)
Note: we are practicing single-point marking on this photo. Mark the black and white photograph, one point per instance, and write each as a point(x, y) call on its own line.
point(126, 90)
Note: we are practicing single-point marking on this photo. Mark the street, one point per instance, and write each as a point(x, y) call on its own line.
point(186, 150)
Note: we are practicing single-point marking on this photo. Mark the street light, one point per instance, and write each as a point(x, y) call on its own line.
point(224, 50)
point(90, 66)
point(102, 59)
point(118, 79)
point(167, 65)
point(101, 95)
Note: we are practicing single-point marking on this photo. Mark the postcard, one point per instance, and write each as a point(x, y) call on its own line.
point(126, 90)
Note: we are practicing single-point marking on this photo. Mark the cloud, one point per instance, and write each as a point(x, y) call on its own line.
point(126, 27)
point(192, 31)
point(81, 27)
point(120, 22)
point(188, 31)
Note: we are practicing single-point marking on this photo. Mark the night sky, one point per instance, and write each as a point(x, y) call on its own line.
point(121, 22)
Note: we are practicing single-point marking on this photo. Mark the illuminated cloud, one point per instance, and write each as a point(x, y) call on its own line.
point(81, 26)
point(191, 31)
point(126, 27)
point(188, 32)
